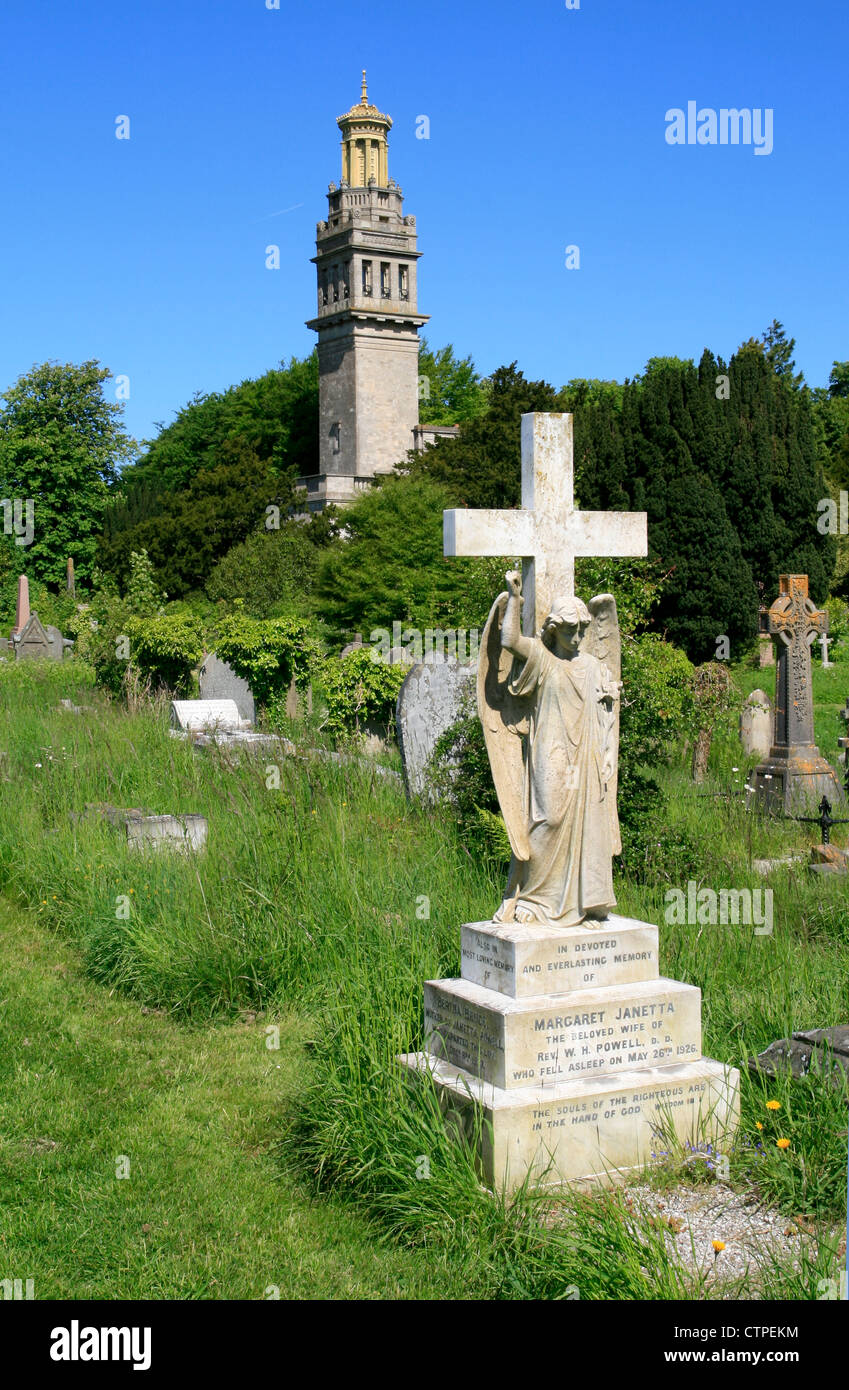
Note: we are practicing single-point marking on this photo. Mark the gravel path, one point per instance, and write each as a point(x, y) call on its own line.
point(697, 1216)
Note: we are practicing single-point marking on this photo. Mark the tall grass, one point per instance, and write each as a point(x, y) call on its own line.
point(322, 892)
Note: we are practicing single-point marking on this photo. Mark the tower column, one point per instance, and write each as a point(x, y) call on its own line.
point(368, 340)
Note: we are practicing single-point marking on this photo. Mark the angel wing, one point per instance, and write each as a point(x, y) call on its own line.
point(602, 641)
point(504, 720)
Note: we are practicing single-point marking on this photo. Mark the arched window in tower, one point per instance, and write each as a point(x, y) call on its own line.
point(403, 282)
point(385, 280)
point(368, 289)
point(323, 287)
point(346, 271)
point(335, 437)
point(335, 284)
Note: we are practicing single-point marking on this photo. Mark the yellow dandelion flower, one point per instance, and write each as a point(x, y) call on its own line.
point(782, 1143)
point(773, 1105)
point(758, 1124)
point(718, 1245)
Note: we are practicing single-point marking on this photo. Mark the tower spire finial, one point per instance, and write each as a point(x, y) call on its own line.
point(364, 97)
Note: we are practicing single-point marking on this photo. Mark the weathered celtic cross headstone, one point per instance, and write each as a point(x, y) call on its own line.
point(795, 775)
point(547, 532)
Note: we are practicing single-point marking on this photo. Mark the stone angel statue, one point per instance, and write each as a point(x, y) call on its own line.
point(549, 706)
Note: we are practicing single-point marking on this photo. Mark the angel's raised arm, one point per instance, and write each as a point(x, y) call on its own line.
point(511, 625)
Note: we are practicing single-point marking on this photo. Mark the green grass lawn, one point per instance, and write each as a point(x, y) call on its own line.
point(210, 1208)
point(321, 904)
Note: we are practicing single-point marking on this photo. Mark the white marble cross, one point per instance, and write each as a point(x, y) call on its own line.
point(547, 532)
point(824, 641)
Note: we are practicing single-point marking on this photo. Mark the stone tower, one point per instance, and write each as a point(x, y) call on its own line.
point(367, 319)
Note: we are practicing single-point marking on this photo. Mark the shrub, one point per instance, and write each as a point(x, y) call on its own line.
point(166, 648)
point(268, 652)
point(359, 690)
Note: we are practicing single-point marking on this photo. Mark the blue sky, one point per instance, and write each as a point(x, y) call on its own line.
point(547, 129)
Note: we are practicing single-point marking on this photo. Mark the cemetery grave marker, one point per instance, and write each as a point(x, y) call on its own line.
point(218, 681)
point(560, 1028)
point(756, 725)
point(429, 702)
point(794, 776)
point(207, 716)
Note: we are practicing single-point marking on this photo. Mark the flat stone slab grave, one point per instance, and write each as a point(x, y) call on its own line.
point(206, 715)
point(167, 832)
point(147, 831)
point(542, 1040)
point(589, 1130)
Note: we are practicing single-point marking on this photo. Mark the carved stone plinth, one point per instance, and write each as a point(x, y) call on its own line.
point(575, 1083)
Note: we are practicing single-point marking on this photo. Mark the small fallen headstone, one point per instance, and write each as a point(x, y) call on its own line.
point(208, 716)
point(785, 861)
point(145, 830)
point(218, 681)
point(829, 859)
point(823, 1051)
point(167, 832)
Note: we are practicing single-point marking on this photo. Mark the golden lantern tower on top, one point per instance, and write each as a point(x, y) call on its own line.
point(367, 317)
point(365, 148)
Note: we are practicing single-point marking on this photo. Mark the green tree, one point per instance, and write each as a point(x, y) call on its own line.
point(838, 380)
point(275, 417)
point(62, 444)
point(390, 568)
point(482, 466)
point(779, 353)
point(191, 530)
point(273, 572)
point(452, 388)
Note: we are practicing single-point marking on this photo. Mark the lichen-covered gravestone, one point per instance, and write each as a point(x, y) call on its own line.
point(32, 641)
point(429, 702)
point(756, 725)
point(218, 681)
point(794, 775)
